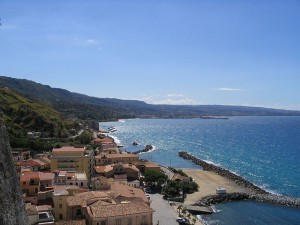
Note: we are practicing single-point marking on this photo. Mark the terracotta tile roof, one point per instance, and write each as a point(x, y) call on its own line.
point(70, 222)
point(46, 176)
point(123, 209)
point(181, 178)
point(100, 169)
point(26, 176)
point(114, 156)
point(122, 190)
point(29, 162)
point(103, 169)
point(29, 175)
point(41, 163)
point(43, 208)
point(68, 149)
point(64, 187)
point(45, 159)
point(82, 199)
point(31, 209)
point(24, 170)
point(131, 167)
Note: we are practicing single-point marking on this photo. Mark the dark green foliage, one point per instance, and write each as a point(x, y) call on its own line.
point(38, 145)
point(155, 179)
point(175, 188)
point(22, 115)
point(84, 138)
point(178, 171)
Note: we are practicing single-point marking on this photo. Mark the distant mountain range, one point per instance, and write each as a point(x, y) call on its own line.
point(75, 105)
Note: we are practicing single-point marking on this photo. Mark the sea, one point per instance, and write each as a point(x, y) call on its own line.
point(265, 150)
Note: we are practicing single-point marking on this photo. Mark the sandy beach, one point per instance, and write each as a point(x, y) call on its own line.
point(208, 182)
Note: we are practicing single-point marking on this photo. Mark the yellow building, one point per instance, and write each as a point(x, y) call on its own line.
point(107, 159)
point(59, 197)
point(72, 159)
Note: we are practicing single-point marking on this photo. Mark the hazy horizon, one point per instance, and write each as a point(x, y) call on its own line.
point(161, 52)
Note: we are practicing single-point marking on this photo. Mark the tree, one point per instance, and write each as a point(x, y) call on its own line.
point(179, 208)
point(84, 138)
point(194, 220)
point(154, 178)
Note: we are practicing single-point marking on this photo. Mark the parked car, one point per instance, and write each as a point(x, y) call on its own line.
point(182, 221)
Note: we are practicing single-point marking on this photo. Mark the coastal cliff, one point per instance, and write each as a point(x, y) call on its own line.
point(12, 207)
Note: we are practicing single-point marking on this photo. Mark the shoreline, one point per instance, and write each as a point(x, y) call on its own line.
point(251, 191)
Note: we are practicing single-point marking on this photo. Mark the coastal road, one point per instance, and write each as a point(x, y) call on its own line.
point(164, 213)
point(168, 172)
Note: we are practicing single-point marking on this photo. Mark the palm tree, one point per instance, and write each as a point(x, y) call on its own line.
point(179, 208)
point(184, 210)
point(194, 221)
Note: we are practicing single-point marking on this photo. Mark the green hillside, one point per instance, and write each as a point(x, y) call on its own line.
point(78, 106)
point(22, 115)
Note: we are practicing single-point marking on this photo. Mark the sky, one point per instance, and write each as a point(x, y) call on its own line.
point(233, 52)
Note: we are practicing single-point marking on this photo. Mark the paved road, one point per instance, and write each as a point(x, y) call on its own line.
point(168, 172)
point(163, 211)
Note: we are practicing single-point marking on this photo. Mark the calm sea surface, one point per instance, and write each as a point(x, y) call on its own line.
point(264, 150)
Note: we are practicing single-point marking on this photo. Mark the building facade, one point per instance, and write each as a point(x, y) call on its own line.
point(72, 159)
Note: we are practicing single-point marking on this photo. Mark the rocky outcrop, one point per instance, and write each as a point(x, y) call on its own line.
point(135, 143)
point(12, 208)
point(146, 149)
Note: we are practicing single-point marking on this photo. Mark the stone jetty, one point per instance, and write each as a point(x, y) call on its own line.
point(260, 194)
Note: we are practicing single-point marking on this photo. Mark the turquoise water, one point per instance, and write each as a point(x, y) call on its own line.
point(264, 150)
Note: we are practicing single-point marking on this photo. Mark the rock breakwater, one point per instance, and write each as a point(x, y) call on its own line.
point(222, 172)
point(259, 194)
point(215, 199)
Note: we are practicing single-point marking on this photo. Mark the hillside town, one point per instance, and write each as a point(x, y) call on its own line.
point(83, 185)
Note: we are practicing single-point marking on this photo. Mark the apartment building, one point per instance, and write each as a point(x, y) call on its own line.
point(72, 159)
point(71, 178)
point(107, 159)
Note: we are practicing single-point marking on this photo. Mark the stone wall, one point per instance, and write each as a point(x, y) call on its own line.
point(12, 208)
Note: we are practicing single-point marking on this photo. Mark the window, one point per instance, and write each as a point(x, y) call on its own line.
point(129, 221)
point(60, 216)
point(103, 222)
point(60, 206)
point(118, 221)
point(81, 183)
point(24, 183)
point(144, 219)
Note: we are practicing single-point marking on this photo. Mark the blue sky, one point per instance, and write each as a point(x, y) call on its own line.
point(234, 52)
